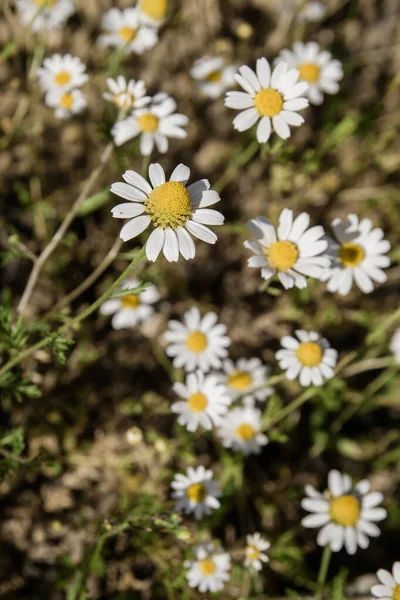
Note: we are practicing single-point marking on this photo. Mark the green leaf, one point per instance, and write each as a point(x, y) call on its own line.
point(93, 203)
point(132, 291)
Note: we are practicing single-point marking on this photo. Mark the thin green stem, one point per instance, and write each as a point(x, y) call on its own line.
point(323, 571)
point(238, 161)
point(287, 410)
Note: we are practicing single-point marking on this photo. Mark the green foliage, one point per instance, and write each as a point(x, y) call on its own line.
point(60, 345)
point(338, 585)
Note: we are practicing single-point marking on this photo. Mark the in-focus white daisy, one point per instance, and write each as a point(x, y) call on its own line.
point(213, 76)
point(347, 513)
point(255, 551)
point(395, 345)
point(240, 430)
point(246, 378)
point(198, 342)
point(125, 30)
point(309, 357)
point(45, 15)
point(196, 492)
point(389, 588)
point(292, 251)
point(132, 309)
point(174, 210)
point(126, 94)
point(317, 68)
point(272, 100)
point(204, 401)
point(358, 255)
point(153, 12)
point(66, 103)
point(62, 73)
point(209, 571)
point(154, 123)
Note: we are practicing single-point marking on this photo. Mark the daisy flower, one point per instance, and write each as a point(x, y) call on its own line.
point(44, 15)
point(198, 342)
point(66, 103)
point(196, 492)
point(126, 94)
point(174, 210)
point(271, 100)
point(204, 401)
point(346, 513)
point(62, 73)
point(210, 569)
point(358, 255)
point(309, 357)
point(308, 10)
point(395, 345)
point(255, 551)
point(213, 76)
point(389, 588)
point(292, 251)
point(240, 430)
point(152, 12)
point(130, 310)
point(245, 378)
point(154, 123)
point(316, 67)
point(124, 30)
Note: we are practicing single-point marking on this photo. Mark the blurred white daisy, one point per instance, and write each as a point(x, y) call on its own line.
point(246, 378)
point(389, 587)
point(308, 10)
point(66, 103)
point(131, 309)
point(213, 76)
point(125, 30)
point(126, 94)
point(316, 67)
point(204, 401)
point(174, 210)
point(346, 513)
point(240, 430)
point(309, 357)
point(198, 342)
point(62, 73)
point(272, 100)
point(395, 345)
point(153, 12)
point(292, 251)
point(154, 123)
point(255, 555)
point(44, 15)
point(358, 255)
point(210, 569)
point(196, 492)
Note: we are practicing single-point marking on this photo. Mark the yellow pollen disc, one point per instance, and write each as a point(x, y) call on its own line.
point(345, 510)
point(128, 34)
point(245, 432)
point(282, 255)
point(154, 9)
point(268, 102)
point(252, 552)
point(130, 301)
point(148, 122)
point(196, 341)
point(196, 492)
point(239, 380)
point(62, 78)
point(66, 101)
point(48, 3)
point(396, 592)
point(351, 254)
point(197, 402)
point(309, 72)
point(214, 77)
point(169, 205)
point(309, 354)
point(207, 566)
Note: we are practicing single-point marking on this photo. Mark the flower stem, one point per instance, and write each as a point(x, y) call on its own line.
point(323, 571)
point(238, 161)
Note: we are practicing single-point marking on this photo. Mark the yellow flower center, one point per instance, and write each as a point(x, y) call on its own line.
point(66, 101)
point(239, 380)
point(345, 510)
point(309, 354)
point(154, 9)
point(252, 552)
point(207, 566)
point(62, 78)
point(48, 3)
point(351, 254)
point(128, 34)
point(169, 205)
point(196, 492)
point(214, 76)
point(309, 72)
point(148, 122)
point(396, 592)
point(245, 432)
point(268, 102)
point(282, 255)
point(197, 402)
point(130, 301)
